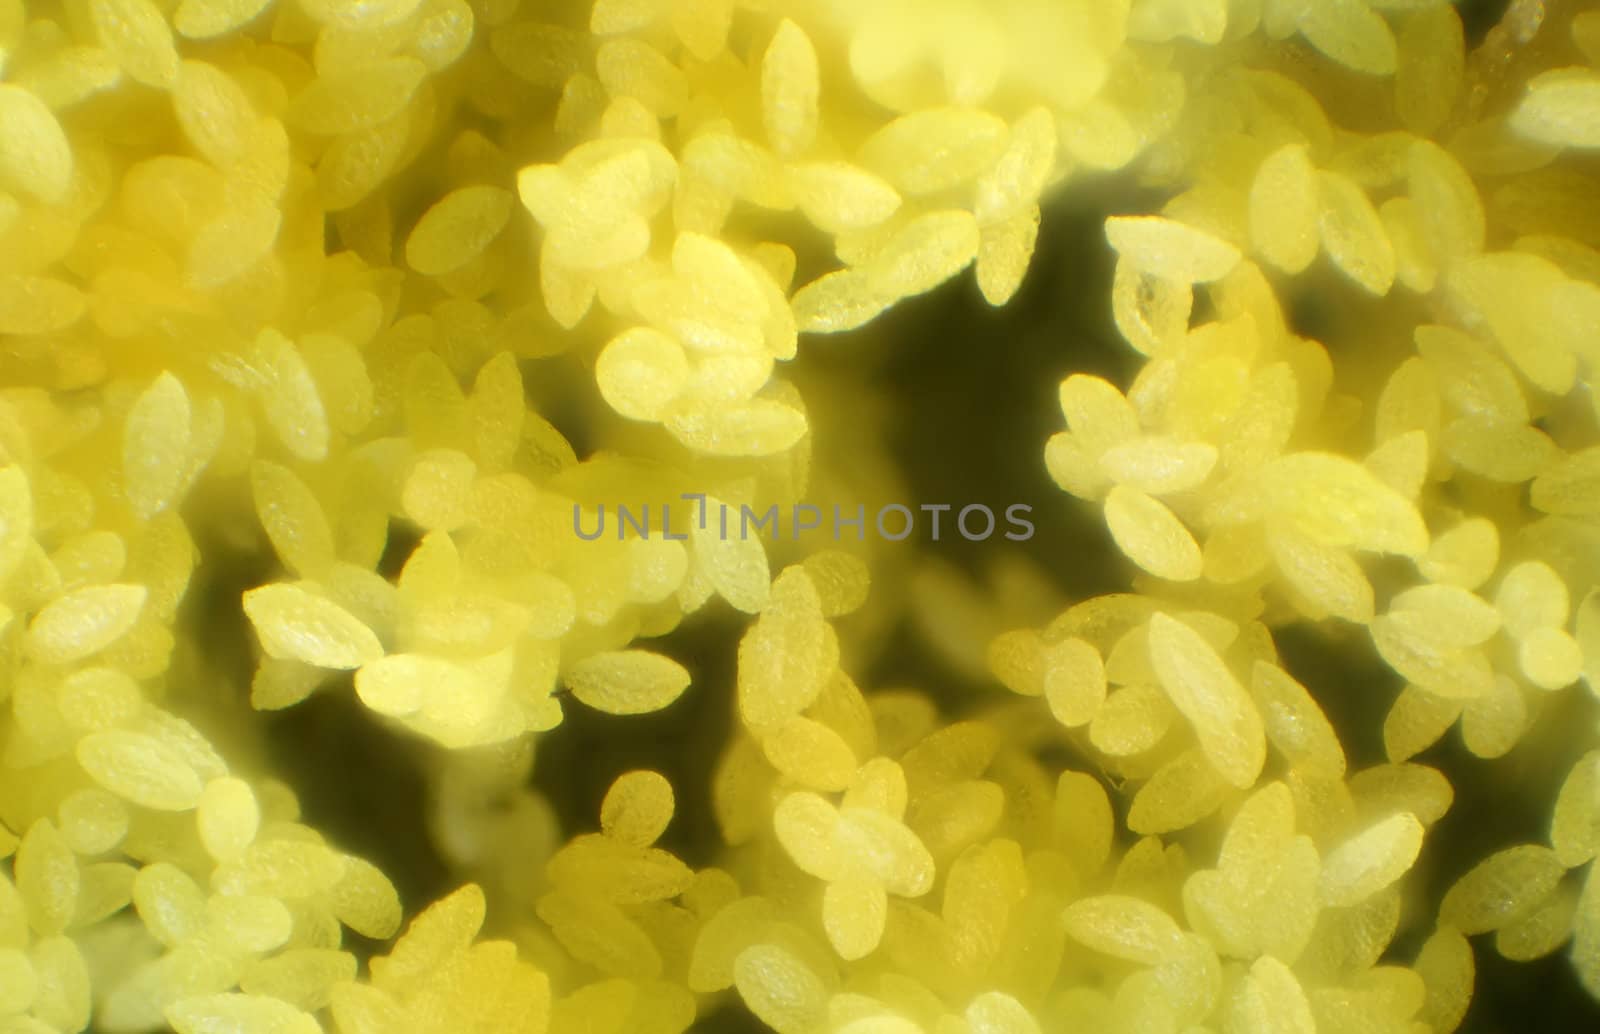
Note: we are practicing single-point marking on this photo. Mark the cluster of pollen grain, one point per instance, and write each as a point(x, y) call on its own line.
point(1250, 474)
point(281, 279)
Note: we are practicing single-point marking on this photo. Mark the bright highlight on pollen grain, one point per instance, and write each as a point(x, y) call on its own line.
point(466, 562)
